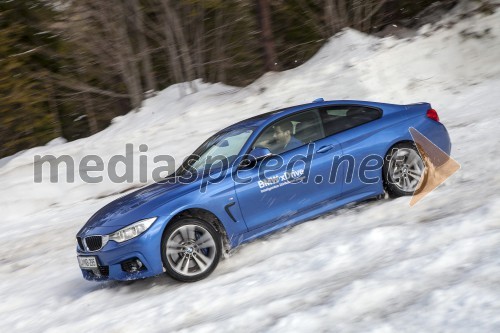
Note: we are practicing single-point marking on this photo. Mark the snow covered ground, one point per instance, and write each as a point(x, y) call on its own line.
point(378, 266)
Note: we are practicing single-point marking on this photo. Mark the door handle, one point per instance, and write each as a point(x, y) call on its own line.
point(324, 149)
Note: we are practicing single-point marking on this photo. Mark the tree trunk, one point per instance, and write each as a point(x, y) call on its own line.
point(357, 8)
point(90, 113)
point(54, 111)
point(180, 41)
point(330, 19)
point(200, 42)
point(144, 52)
point(342, 13)
point(220, 72)
point(173, 57)
point(270, 58)
point(112, 15)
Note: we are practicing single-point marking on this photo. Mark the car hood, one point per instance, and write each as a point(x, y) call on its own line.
point(137, 205)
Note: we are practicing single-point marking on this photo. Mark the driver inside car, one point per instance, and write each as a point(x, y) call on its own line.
point(282, 139)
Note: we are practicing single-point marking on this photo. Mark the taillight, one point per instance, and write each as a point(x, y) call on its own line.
point(432, 114)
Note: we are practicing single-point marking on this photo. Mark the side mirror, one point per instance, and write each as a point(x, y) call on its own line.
point(256, 154)
point(223, 143)
point(260, 153)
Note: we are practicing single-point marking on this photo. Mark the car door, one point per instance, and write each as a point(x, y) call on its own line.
point(293, 186)
point(354, 127)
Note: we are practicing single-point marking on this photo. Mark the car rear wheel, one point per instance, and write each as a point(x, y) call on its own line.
point(404, 170)
point(190, 249)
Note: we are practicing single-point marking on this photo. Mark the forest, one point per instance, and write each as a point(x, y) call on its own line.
point(67, 68)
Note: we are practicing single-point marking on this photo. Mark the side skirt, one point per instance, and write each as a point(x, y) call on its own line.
point(303, 216)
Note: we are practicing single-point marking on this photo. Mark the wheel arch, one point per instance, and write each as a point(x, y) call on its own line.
point(397, 142)
point(207, 216)
point(387, 150)
point(387, 153)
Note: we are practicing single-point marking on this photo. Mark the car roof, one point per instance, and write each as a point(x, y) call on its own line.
point(268, 117)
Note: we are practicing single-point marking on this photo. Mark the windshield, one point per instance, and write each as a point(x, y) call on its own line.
point(223, 145)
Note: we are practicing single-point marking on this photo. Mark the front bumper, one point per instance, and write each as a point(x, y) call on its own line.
point(146, 248)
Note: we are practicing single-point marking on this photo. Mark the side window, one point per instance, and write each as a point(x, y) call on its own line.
point(340, 118)
point(337, 112)
point(292, 132)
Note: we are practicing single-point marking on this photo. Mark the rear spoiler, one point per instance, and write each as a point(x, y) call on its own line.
point(418, 107)
point(423, 109)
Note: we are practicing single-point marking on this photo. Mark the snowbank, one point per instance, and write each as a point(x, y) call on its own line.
point(379, 266)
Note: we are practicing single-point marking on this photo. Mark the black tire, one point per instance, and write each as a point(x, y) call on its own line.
point(194, 249)
point(396, 187)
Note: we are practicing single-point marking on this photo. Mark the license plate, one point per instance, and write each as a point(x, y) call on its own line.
point(87, 262)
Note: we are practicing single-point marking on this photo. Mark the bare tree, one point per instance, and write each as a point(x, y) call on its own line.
point(143, 51)
point(177, 43)
point(264, 10)
point(357, 14)
point(90, 113)
point(199, 40)
point(101, 29)
point(113, 18)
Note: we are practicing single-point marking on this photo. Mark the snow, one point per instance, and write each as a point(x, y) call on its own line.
point(379, 266)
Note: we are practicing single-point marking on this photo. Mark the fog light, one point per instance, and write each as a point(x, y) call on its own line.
point(132, 265)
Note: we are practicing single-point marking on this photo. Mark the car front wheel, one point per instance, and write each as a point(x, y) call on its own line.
point(190, 249)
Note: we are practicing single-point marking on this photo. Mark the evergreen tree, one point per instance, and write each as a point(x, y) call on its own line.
point(26, 118)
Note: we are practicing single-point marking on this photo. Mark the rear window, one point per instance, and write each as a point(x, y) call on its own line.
point(341, 118)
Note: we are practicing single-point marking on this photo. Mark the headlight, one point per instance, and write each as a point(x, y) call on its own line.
point(132, 230)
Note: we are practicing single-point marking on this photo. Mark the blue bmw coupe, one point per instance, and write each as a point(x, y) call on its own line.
point(254, 177)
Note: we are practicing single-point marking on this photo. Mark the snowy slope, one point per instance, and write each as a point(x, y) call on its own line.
point(379, 266)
